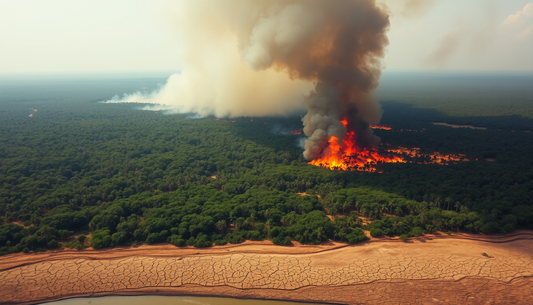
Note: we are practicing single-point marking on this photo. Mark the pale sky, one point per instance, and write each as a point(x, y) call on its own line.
point(139, 35)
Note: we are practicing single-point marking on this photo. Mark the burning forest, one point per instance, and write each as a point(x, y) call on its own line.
point(342, 108)
point(326, 58)
point(344, 61)
point(347, 156)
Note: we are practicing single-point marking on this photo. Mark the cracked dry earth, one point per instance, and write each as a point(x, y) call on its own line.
point(430, 272)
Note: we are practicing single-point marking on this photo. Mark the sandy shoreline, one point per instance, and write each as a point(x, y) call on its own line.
point(430, 270)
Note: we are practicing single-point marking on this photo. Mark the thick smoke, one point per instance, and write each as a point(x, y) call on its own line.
point(336, 44)
point(256, 57)
point(214, 79)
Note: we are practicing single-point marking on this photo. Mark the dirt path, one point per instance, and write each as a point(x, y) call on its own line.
point(447, 270)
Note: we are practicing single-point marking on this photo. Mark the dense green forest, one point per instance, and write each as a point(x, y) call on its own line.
point(464, 96)
point(80, 173)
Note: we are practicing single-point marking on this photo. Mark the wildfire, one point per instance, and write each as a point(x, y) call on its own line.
point(390, 128)
point(296, 132)
point(349, 157)
point(381, 127)
point(232, 121)
point(415, 156)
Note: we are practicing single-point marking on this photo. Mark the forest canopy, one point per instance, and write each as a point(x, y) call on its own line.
point(79, 173)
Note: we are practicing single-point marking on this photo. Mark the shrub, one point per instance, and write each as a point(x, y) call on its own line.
point(356, 235)
point(191, 241)
point(234, 238)
point(75, 244)
point(202, 241)
point(139, 234)
point(100, 239)
point(52, 244)
point(119, 238)
point(254, 235)
point(221, 242)
point(376, 232)
point(64, 234)
point(177, 240)
point(491, 227)
point(283, 241)
point(152, 238)
point(416, 231)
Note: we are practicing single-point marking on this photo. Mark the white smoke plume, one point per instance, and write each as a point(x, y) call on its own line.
point(214, 78)
point(266, 57)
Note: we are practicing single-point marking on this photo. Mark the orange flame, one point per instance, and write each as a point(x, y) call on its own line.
point(350, 157)
point(232, 121)
point(344, 122)
point(431, 158)
point(380, 127)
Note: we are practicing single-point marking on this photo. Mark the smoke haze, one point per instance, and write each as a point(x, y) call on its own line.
point(214, 79)
point(270, 57)
point(409, 8)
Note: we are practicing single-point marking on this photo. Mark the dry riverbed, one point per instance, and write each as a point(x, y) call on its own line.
point(460, 269)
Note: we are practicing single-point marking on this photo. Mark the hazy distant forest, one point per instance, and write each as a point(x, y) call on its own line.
point(79, 173)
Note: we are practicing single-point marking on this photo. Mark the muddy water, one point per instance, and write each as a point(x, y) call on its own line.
point(166, 300)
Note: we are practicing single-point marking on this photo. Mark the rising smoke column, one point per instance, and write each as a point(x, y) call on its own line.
point(338, 45)
point(334, 47)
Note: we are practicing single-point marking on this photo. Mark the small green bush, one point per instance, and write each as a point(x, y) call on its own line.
point(101, 238)
point(356, 235)
point(177, 240)
point(75, 244)
point(283, 241)
point(416, 231)
point(376, 233)
point(234, 238)
point(202, 241)
point(52, 244)
point(221, 242)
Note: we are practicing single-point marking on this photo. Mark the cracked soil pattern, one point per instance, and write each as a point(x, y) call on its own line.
point(440, 271)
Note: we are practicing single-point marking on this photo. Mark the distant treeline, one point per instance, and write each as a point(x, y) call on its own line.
point(482, 95)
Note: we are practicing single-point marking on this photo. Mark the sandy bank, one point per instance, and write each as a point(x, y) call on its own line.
point(449, 270)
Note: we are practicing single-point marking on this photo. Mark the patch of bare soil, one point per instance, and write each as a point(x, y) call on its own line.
point(21, 223)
